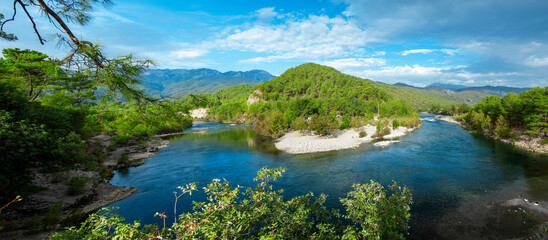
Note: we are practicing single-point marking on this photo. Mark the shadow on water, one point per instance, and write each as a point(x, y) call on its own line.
point(441, 163)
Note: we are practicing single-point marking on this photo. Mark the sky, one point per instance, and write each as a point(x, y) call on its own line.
point(416, 42)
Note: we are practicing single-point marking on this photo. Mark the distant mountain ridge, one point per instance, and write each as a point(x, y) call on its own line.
point(492, 90)
point(179, 83)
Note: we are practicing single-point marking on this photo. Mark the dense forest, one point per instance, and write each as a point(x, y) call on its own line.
point(511, 115)
point(48, 113)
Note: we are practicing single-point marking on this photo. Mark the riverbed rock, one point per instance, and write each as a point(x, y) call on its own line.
point(56, 190)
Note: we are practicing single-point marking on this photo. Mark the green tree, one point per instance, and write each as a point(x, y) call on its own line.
point(501, 128)
point(117, 75)
point(33, 71)
point(323, 125)
point(535, 111)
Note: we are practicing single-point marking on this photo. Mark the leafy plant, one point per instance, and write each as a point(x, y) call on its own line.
point(262, 213)
point(76, 185)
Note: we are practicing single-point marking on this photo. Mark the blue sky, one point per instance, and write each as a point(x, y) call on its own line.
point(418, 42)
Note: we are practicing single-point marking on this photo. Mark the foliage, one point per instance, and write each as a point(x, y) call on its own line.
point(31, 70)
point(34, 136)
point(262, 213)
point(383, 128)
point(356, 122)
point(131, 119)
point(301, 92)
point(123, 161)
point(529, 110)
point(501, 128)
point(273, 125)
point(121, 139)
point(376, 215)
point(362, 134)
point(299, 124)
point(345, 122)
point(76, 185)
point(323, 125)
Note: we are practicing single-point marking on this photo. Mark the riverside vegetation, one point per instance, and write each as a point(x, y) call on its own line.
point(513, 117)
point(261, 212)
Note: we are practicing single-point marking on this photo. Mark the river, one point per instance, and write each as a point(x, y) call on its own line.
point(448, 170)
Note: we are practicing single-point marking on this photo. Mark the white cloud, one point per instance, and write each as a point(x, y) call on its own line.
point(537, 62)
point(428, 51)
point(309, 38)
point(187, 53)
point(266, 13)
point(354, 63)
point(418, 75)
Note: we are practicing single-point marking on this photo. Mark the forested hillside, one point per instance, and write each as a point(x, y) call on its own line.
point(326, 95)
point(178, 83)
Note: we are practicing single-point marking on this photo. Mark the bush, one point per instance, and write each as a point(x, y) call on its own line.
point(322, 125)
point(123, 161)
point(121, 139)
point(356, 122)
point(76, 185)
point(363, 134)
point(299, 124)
point(262, 213)
point(382, 129)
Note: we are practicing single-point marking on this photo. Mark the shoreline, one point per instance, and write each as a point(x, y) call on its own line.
point(296, 143)
point(523, 142)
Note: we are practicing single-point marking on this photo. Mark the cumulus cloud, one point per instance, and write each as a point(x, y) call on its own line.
point(187, 53)
point(266, 13)
point(354, 63)
point(505, 36)
point(309, 38)
point(428, 51)
point(418, 75)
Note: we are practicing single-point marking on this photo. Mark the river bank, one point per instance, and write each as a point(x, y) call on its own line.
point(522, 141)
point(296, 142)
point(74, 194)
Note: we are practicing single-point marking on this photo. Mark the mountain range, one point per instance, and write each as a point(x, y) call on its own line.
point(178, 83)
point(492, 90)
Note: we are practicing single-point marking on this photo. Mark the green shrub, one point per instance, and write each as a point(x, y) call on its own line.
point(395, 124)
point(323, 125)
point(363, 134)
point(299, 124)
point(356, 122)
point(77, 185)
point(121, 139)
point(371, 212)
point(124, 160)
point(112, 147)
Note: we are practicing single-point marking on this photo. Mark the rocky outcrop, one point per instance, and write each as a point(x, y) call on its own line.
point(255, 97)
point(93, 194)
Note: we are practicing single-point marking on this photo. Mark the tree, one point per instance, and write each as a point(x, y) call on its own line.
point(535, 111)
point(118, 75)
point(33, 70)
point(323, 125)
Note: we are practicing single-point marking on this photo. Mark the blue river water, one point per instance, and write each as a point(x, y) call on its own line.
point(440, 162)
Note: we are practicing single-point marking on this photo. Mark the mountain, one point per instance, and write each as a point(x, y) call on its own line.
point(491, 90)
point(178, 83)
point(496, 90)
point(448, 86)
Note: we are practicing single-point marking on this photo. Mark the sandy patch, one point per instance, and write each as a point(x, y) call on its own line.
point(297, 143)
